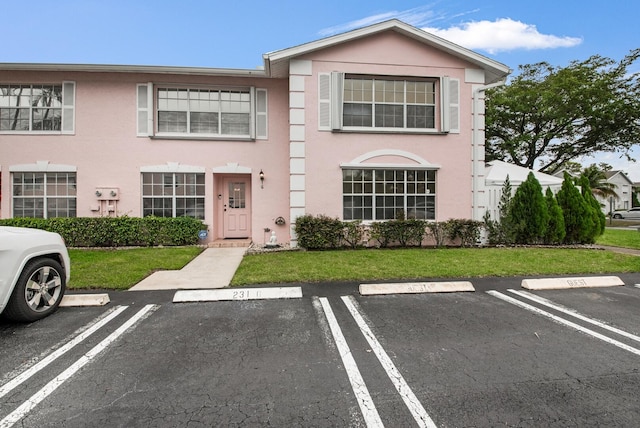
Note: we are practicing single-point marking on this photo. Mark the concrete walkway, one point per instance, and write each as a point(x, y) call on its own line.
point(213, 268)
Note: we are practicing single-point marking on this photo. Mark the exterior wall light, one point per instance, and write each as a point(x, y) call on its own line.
point(261, 175)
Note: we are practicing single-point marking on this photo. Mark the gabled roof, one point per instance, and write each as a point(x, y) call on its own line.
point(496, 173)
point(277, 62)
point(610, 174)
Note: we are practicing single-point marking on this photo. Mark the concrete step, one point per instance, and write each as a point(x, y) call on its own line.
point(230, 243)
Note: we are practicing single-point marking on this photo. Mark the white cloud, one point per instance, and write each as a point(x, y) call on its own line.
point(503, 34)
point(417, 16)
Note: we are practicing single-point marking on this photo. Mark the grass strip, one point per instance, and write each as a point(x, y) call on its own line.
point(119, 269)
point(383, 264)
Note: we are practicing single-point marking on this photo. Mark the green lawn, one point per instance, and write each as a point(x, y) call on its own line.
point(122, 268)
point(621, 238)
point(371, 265)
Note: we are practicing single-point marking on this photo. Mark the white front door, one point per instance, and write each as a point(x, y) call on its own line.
point(237, 207)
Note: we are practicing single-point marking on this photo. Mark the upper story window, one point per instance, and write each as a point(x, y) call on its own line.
point(384, 103)
point(37, 108)
point(189, 112)
point(388, 103)
point(44, 194)
point(204, 111)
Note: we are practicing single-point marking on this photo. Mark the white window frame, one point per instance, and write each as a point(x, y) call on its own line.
point(173, 197)
point(66, 108)
point(46, 196)
point(428, 194)
point(148, 112)
point(330, 105)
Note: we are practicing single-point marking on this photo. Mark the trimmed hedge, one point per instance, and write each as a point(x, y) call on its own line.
point(117, 231)
point(322, 232)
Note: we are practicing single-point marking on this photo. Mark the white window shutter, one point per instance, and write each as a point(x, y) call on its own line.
point(337, 91)
point(144, 106)
point(454, 106)
point(68, 107)
point(444, 104)
point(324, 101)
point(261, 114)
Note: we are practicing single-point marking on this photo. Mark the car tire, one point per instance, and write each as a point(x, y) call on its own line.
point(617, 216)
point(38, 292)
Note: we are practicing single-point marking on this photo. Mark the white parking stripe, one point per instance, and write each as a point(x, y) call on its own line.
point(369, 411)
point(415, 407)
point(574, 313)
point(6, 388)
point(49, 388)
point(563, 321)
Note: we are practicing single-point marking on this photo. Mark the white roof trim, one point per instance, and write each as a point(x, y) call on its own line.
point(149, 69)
point(495, 68)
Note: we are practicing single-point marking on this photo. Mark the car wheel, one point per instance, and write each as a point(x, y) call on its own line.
point(617, 216)
point(38, 291)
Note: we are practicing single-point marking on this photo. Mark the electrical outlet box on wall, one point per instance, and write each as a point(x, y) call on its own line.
point(107, 193)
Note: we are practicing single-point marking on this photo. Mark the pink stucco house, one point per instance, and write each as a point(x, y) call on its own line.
point(355, 126)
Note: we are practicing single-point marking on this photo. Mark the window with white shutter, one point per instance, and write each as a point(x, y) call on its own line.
point(324, 101)
point(68, 107)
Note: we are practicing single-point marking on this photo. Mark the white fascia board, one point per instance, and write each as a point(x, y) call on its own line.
point(147, 69)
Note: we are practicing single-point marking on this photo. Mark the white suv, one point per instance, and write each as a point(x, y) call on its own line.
point(34, 270)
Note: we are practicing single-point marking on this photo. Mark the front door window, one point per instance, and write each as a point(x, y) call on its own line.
point(237, 195)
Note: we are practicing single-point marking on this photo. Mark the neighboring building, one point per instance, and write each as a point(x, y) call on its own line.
point(496, 174)
point(356, 126)
point(624, 189)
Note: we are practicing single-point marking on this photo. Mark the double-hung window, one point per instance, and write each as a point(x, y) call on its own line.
point(385, 103)
point(37, 108)
point(173, 194)
point(44, 195)
point(382, 194)
point(360, 103)
point(202, 112)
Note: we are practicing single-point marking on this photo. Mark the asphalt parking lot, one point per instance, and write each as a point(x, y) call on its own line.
point(498, 356)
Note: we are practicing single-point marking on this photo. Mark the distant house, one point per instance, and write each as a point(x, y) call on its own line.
point(358, 126)
point(624, 189)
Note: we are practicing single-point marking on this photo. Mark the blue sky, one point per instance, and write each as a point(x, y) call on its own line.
point(210, 33)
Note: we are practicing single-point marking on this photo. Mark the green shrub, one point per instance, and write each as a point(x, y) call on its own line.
point(578, 216)
point(318, 232)
point(555, 228)
point(465, 230)
point(117, 231)
point(438, 231)
point(353, 233)
point(402, 232)
point(528, 212)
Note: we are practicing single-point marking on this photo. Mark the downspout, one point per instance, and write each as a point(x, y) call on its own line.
point(475, 140)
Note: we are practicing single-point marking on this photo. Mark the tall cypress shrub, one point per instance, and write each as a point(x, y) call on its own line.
point(555, 228)
point(578, 219)
point(528, 213)
point(599, 219)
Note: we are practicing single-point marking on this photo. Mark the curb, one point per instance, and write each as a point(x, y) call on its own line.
point(75, 300)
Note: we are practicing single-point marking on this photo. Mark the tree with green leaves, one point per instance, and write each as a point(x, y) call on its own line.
point(555, 227)
point(599, 219)
point(528, 212)
point(597, 179)
point(498, 230)
point(578, 220)
point(547, 116)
